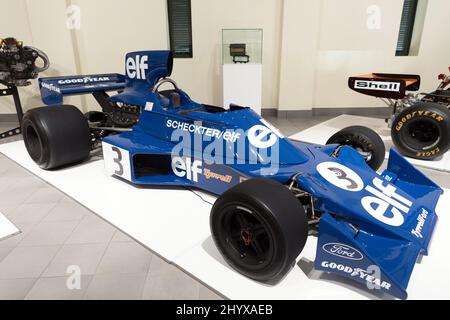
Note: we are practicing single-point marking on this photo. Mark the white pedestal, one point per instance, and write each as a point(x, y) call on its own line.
point(242, 85)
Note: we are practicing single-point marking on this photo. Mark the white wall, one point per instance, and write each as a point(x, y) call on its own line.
point(348, 47)
point(310, 46)
point(331, 41)
point(298, 54)
point(202, 75)
point(111, 28)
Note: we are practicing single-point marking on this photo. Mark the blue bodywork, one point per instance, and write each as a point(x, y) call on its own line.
point(372, 226)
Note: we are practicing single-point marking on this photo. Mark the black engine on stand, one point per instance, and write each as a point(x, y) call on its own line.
point(18, 62)
point(17, 68)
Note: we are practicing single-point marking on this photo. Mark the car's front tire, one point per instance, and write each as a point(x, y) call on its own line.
point(260, 228)
point(56, 136)
point(364, 140)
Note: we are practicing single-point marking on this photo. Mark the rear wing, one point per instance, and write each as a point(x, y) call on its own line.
point(53, 89)
point(385, 85)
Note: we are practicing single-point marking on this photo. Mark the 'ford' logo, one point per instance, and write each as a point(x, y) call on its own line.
point(343, 251)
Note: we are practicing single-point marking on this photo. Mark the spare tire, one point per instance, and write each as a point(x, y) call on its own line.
point(56, 136)
point(364, 140)
point(422, 131)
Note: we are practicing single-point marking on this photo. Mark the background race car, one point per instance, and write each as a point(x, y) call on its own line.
point(420, 124)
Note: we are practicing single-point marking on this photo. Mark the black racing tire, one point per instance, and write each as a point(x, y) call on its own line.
point(260, 228)
point(56, 136)
point(362, 139)
point(422, 131)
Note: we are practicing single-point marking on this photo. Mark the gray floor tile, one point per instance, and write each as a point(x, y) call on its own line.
point(92, 230)
point(119, 236)
point(45, 194)
point(85, 256)
point(56, 288)
point(5, 163)
point(31, 212)
point(125, 257)
point(159, 267)
point(30, 180)
point(14, 172)
point(15, 289)
point(13, 241)
point(26, 262)
point(4, 252)
point(49, 233)
point(69, 201)
point(207, 294)
point(113, 287)
point(66, 211)
point(8, 208)
point(18, 192)
point(6, 182)
point(22, 181)
point(174, 285)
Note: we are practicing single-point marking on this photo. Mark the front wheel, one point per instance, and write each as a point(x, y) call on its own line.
point(422, 131)
point(364, 140)
point(260, 228)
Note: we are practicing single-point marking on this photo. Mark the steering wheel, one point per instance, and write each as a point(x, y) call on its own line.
point(162, 81)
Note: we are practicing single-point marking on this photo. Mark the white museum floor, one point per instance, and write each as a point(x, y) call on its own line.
point(179, 232)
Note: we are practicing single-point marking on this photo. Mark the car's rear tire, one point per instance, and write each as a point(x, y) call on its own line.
point(260, 228)
point(56, 136)
point(364, 140)
point(422, 131)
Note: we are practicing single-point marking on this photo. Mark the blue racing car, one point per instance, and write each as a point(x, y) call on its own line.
point(272, 191)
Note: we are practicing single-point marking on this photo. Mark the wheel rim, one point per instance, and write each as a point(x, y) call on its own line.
point(422, 134)
point(248, 241)
point(33, 143)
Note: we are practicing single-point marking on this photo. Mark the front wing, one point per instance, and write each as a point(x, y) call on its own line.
point(375, 257)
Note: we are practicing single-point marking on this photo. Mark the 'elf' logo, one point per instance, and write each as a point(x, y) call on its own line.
point(189, 169)
point(137, 67)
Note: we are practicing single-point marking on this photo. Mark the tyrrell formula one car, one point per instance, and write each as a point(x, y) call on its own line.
point(272, 191)
point(420, 126)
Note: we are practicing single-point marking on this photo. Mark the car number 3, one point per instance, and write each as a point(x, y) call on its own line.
point(118, 161)
point(342, 175)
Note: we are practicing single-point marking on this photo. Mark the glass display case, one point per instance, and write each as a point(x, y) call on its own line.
point(242, 46)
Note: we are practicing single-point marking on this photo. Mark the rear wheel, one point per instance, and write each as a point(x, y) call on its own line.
point(422, 131)
point(56, 136)
point(364, 140)
point(260, 228)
